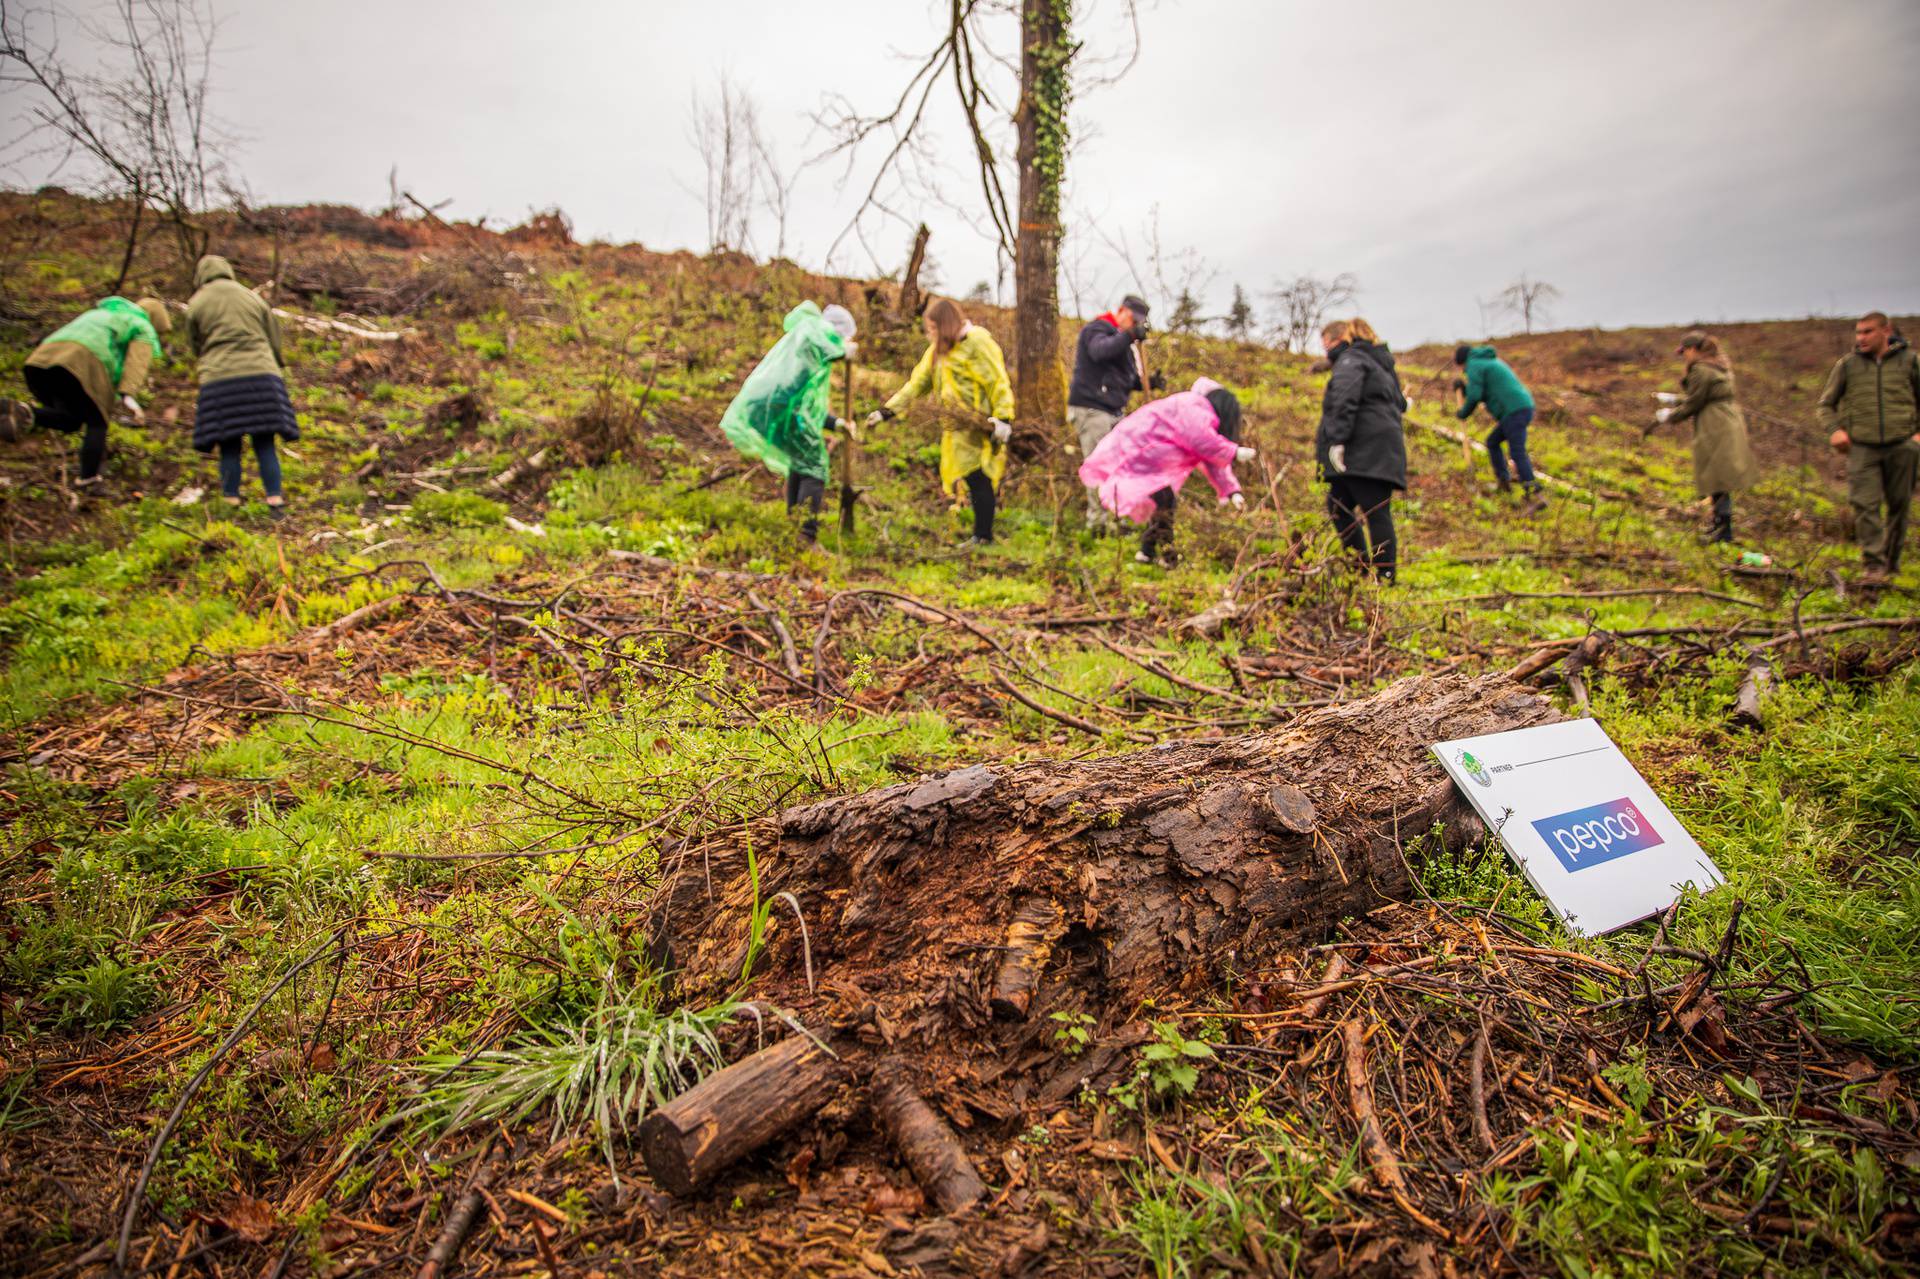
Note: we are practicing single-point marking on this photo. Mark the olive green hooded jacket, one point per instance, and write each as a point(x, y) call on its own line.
point(231, 329)
point(1873, 401)
point(1723, 460)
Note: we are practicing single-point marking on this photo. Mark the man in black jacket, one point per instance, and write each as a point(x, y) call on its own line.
point(1105, 371)
point(1361, 444)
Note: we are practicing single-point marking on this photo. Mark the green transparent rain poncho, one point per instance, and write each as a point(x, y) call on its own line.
point(781, 411)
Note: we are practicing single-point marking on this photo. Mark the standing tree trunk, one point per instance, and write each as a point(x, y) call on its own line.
point(139, 200)
point(1046, 53)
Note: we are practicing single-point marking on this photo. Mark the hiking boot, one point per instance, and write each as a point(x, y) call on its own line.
point(1502, 483)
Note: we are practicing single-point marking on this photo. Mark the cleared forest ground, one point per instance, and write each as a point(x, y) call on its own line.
point(361, 824)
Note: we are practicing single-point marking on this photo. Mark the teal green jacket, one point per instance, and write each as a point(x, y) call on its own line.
point(1491, 382)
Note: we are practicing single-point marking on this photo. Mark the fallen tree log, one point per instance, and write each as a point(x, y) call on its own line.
point(1166, 865)
point(938, 1161)
point(735, 1111)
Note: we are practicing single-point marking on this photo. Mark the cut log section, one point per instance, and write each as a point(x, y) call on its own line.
point(735, 1111)
point(1753, 691)
point(938, 1161)
point(1030, 938)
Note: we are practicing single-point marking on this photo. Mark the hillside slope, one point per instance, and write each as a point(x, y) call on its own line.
point(415, 844)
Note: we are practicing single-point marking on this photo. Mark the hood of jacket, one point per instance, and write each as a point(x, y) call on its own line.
point(1485, 352)
point(212, 267)
point(1377, 352)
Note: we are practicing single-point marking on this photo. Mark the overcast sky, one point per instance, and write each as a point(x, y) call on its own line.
point(1658, 163)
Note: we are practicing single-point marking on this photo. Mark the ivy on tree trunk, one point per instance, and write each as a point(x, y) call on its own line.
point(1047, 50)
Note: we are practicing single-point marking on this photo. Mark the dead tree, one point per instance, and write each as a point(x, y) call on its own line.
point(142, 122)
point(1525, 300)
point(724, 130)
point(912, 301)
point(948, 914)
point(1302, 306)
point(1034, 106)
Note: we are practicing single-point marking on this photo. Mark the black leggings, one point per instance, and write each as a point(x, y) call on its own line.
point(811, 490)
point(1159, 534)
point(980, 493)
point(64, 405)
point(1362, 511)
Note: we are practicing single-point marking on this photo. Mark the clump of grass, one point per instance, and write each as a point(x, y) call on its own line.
point(457, 509)
point(102, 996)
point(624, 1060)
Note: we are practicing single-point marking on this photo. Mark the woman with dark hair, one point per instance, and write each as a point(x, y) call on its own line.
point(1138, 467)
point(1723, 462)
point(84, 369)
point(1361, 443)
point(965, 376)
point(243, 395)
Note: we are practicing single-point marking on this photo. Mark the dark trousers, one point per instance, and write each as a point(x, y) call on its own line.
point(1362, 511)
point(1722, 517)
point(1512, 431)
point(811, 491)
point(64, 405)
point(1159, 534)
point(980, 493)
point(263, 453)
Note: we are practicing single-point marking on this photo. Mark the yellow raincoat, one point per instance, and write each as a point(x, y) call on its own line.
point(969, 386)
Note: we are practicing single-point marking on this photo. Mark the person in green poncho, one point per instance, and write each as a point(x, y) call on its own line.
point(79, 372)
point(781, 414)
point(964, 375)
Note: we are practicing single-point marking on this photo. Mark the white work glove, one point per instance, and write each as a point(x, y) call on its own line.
point(1238, 502)
point(1667, 397)
point(876, 417)
point(845, 427)
point(1337, 459)
point(132, 406)
point(1242, 454)
point(1664, 415)
point(1001, 431)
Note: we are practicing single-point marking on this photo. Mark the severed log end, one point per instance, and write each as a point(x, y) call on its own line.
point(1753, 691)
point(938, 1160)
point(1030, 938)
point(1289, 809)
point(735, 1111)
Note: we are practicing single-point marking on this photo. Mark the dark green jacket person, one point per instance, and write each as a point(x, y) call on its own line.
point(1871, 404)
point(1491, 381)
point(1875, 401)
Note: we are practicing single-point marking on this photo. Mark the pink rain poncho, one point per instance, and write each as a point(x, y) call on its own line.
point(1158, 446)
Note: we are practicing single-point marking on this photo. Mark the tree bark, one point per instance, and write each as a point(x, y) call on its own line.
point(912, 302)
point(1041, 147)
point(938, 1160)
point(735, 1111)
point(1166, 865)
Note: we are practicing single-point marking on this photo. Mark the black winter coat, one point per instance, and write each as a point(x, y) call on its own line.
point(1362, 410)
point(1104, 371)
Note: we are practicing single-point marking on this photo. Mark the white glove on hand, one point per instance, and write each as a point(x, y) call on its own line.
point(875, 418)
point(1667, 397)
point(1243, 454)
point(1664, 415)
point(132, 406)
point(1337, 459)
point(1001, 431)
point(1238, 502)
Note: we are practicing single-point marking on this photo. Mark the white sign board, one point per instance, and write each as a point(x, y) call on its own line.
point(1580, 821)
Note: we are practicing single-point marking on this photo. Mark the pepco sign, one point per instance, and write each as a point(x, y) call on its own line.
point(1589, 836)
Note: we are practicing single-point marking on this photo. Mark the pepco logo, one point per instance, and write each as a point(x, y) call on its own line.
point(1588, 836)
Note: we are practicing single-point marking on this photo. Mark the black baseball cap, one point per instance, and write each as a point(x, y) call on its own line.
point(1133, 303)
